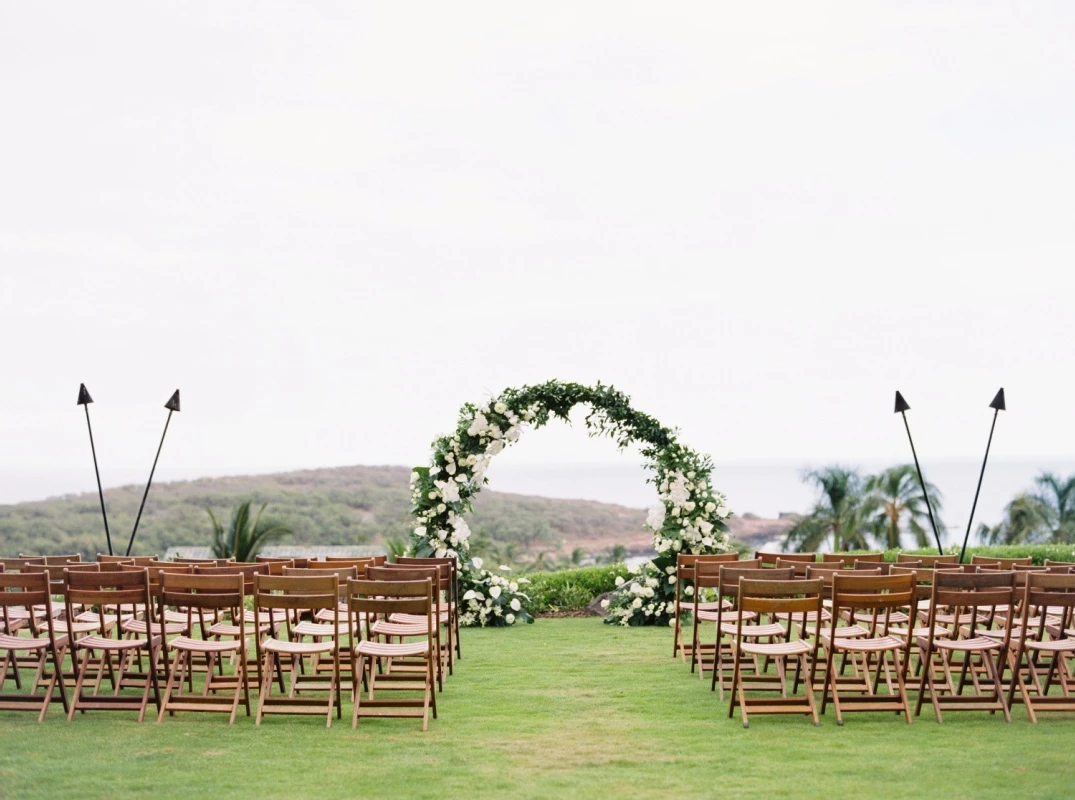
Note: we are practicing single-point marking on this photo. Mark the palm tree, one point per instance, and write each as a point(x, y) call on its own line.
point(895, 495)
point(1045, 516)
point(1057, 497)
point(244, 538)
point(840, 512)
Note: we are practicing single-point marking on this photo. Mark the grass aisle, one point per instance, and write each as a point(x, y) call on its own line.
point(561, 707)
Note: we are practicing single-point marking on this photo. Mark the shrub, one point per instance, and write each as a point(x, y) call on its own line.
point(570, 589)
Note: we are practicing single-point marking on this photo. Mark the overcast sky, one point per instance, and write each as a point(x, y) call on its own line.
point(331, 224)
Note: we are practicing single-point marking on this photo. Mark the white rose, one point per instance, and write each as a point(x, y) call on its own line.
point(635, 589)
point(432, 495)
point(494, 591)
point(710, 507)
point(450, 469)
point(637, 603)
point(477, 562)
point(619, 581)
point(510, 619)
point(647, 592)
point(689, 505)
point(495, 448)
point(513, 586)
point(515, 604)
point(441, 508)
point(671, 580)
point(671, 623)
point(414, 477)
point(500, 408)
point(604, 603)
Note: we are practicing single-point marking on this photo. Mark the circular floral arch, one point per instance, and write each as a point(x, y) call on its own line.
point(688, 519)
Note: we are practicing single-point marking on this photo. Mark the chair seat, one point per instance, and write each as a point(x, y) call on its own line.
point(938, 632)
point(896, 617)
point(751, 631)
point(713, 605)
point(417, 619)
point(142, 627)
point(1053, 646)
point(872, 645)
point(397, 629)
point(798, 647)
point(368, 648)
point(227, 629)
point(327, 614)
point(22, 643)
point(75, 627)
point(1017, 633)
point(205, 645)
point(263, 617)
point(811, 616)
point(978, 643)
point(726, 616)
point(847, 632)
point(297, 648)
point(103, 643)
point(319, 629)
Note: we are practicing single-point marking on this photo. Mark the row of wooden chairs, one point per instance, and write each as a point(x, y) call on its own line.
point(977, 621)
point(381, 630)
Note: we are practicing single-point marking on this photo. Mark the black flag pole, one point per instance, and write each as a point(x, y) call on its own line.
point(997, 405)
point(84, 400)
point(172, 405)
point(901, 409)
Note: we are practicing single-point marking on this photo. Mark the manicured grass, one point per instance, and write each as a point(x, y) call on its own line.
point(561, 707)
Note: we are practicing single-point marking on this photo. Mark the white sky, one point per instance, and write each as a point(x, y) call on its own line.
point(331, 224)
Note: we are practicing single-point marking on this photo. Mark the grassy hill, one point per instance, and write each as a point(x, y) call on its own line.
point(342, 505)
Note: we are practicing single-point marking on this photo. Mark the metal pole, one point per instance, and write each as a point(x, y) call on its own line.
point(149, 483)
point(922, 483)
point(981, 475)
point(97, 472)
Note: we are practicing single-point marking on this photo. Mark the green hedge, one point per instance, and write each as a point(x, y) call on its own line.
point(570, 589)
point(1037, 552)
point(573, 589)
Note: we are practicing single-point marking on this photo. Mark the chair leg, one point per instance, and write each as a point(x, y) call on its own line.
point(808, 688)
point(357, 690)
point(78, 684)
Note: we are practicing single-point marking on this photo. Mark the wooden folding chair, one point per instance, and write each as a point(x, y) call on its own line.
point(1046, 592)
point(969, 599)
point(849, 559)
point(188, 594)
point(724, 579)
point(204, 562)
point(926, 559)
point(453, 596)
point(786, 598)
point(320, 628)
point(848, 627)
point(105, 590)
point(685, 581)
point(1000, 563)
point(53, 561)
point(301, 593)
point(299, 563)
point(26, 590)
point(402, 626)
point(771, 559)
point(257, 622)
point(385, 599)
point(443, 588)
point(705, 602)
point(881, 595)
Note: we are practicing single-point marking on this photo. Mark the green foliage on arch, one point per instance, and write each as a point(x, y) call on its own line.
point(689, 517)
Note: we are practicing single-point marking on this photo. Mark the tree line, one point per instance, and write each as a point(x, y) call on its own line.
point(887, 510)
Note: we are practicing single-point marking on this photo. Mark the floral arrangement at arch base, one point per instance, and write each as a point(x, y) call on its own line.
point(689, 517)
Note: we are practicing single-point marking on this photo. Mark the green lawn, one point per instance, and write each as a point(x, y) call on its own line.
point(561, 707)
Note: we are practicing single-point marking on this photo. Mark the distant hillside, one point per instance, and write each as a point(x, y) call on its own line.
point(342, 505)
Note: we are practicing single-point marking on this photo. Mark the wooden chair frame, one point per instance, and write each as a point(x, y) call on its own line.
point(975, 593)
point(26, 590)
point(1045, 592)
point(385, 599)
point(875, 593)
point(776, 598)
point(188, 593)
point(105, 590)
point(685, 572)
point(454, 598)
point(301, 593)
